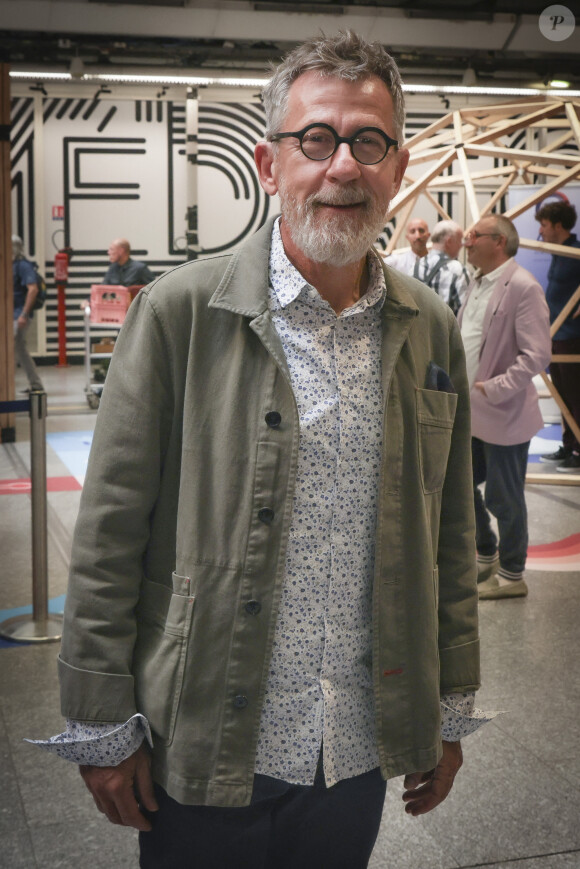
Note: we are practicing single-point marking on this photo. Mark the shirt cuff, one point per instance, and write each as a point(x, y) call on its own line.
point(459, 716)
point(98, 743)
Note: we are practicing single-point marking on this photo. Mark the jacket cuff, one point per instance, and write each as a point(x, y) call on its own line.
point(460, 668)
point(87, 695)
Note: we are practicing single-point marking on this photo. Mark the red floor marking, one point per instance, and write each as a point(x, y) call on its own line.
point(53, 484)
point(566, 546)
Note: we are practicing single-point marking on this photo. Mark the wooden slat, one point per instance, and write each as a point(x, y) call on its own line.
point(515, 153)
point(545, 191)
point(428, 131)
point(574, 122)
point(469, 189)
point(404, 196)
point(560, 402)
point(504, 109)
point(510, 126)
point(548, 247)
point(548, 479)
point(498, 194)
point(401, 223)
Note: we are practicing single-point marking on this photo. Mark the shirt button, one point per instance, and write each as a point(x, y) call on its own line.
point(266, 515)
point(240, 702)
point(253, 607)
point(273, 419)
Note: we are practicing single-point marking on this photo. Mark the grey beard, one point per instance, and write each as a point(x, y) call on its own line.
point(336, 241)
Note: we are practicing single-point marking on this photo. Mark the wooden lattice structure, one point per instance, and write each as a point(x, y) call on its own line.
point(552, 128)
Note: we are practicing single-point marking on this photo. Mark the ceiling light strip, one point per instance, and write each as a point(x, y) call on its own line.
point(206, 81)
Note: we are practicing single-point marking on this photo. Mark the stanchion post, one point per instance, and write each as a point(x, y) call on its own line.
point(61, 307)
point(42, 628)
point(39, 507)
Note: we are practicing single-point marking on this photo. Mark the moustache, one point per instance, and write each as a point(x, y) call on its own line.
point(340, 196)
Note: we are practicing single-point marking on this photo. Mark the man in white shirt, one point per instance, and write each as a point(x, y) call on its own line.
point(439, 267)
point(505, 329)
point(413, 262)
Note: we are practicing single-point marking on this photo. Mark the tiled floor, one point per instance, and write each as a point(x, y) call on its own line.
point(515, 802)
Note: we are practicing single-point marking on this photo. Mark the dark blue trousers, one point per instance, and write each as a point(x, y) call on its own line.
point(284, 827)
point(503, 470)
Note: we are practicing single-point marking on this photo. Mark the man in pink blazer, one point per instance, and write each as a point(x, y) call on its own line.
point(506, 332)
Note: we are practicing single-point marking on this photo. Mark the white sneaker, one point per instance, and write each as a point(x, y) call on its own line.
point(492, 589)
point(485, 569)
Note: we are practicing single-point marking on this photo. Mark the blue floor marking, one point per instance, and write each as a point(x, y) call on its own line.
point(72, 448)
point(547, 440)
point(56, 605)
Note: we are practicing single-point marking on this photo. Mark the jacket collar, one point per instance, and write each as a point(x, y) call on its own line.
point(244, 286)
point(496, 297)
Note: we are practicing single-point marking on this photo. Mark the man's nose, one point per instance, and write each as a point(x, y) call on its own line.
point(343, 164)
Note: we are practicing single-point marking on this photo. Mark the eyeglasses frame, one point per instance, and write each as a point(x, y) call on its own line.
point(473, 233)
point(338, 140)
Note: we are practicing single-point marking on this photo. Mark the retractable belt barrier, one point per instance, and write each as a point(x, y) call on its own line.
point(41, 628)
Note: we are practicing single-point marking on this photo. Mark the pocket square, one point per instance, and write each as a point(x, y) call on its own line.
point(437, 378)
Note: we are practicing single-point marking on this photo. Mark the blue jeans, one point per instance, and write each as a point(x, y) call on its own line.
point(503, 470)
point(284, 827)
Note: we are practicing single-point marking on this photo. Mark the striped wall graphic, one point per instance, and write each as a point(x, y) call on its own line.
point(118, 168)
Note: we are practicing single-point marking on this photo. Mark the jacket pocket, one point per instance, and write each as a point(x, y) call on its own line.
point(435, 416)
point(164, 618)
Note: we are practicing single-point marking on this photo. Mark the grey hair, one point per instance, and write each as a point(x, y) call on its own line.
point(345, 56)
point(17, 247)
point(505, 227)
point(443, 230)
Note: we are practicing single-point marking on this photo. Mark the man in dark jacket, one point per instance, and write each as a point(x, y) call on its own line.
point(556, 221)
point(25, 284)
point(124, 270)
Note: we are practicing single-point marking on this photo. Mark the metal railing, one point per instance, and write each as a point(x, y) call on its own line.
point(42, 627)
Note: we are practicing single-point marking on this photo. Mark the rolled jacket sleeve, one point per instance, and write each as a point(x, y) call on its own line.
point(112, 531)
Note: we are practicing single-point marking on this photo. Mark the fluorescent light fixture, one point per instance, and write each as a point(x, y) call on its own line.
point(558, 83)
point(206, 81)
point(490, 91)
point(42, 76)
point(112, 78)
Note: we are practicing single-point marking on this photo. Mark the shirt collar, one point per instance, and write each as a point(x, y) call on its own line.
point(492, 277)
point(287, 282)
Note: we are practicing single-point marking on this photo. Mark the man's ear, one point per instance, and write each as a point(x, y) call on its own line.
point(402, 162)
point(264, 160)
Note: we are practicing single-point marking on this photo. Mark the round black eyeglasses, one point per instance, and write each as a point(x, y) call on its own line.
point(368, 145)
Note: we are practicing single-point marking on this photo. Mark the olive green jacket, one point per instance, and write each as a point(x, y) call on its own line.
point(179, 550)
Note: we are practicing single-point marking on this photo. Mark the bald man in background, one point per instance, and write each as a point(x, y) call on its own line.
point(123, 270)
point(409, 262)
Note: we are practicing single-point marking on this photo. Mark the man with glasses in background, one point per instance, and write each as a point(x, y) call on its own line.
point(506, 333)
point(274, 568)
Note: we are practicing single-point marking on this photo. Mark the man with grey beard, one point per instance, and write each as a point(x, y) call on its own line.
point(272, 605)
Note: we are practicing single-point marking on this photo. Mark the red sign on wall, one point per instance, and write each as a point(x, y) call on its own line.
point(58, 212)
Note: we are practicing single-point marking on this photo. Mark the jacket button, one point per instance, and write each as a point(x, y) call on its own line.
point(240, 702)
point(273, 419)
point(266, 515)
point(253, 607)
